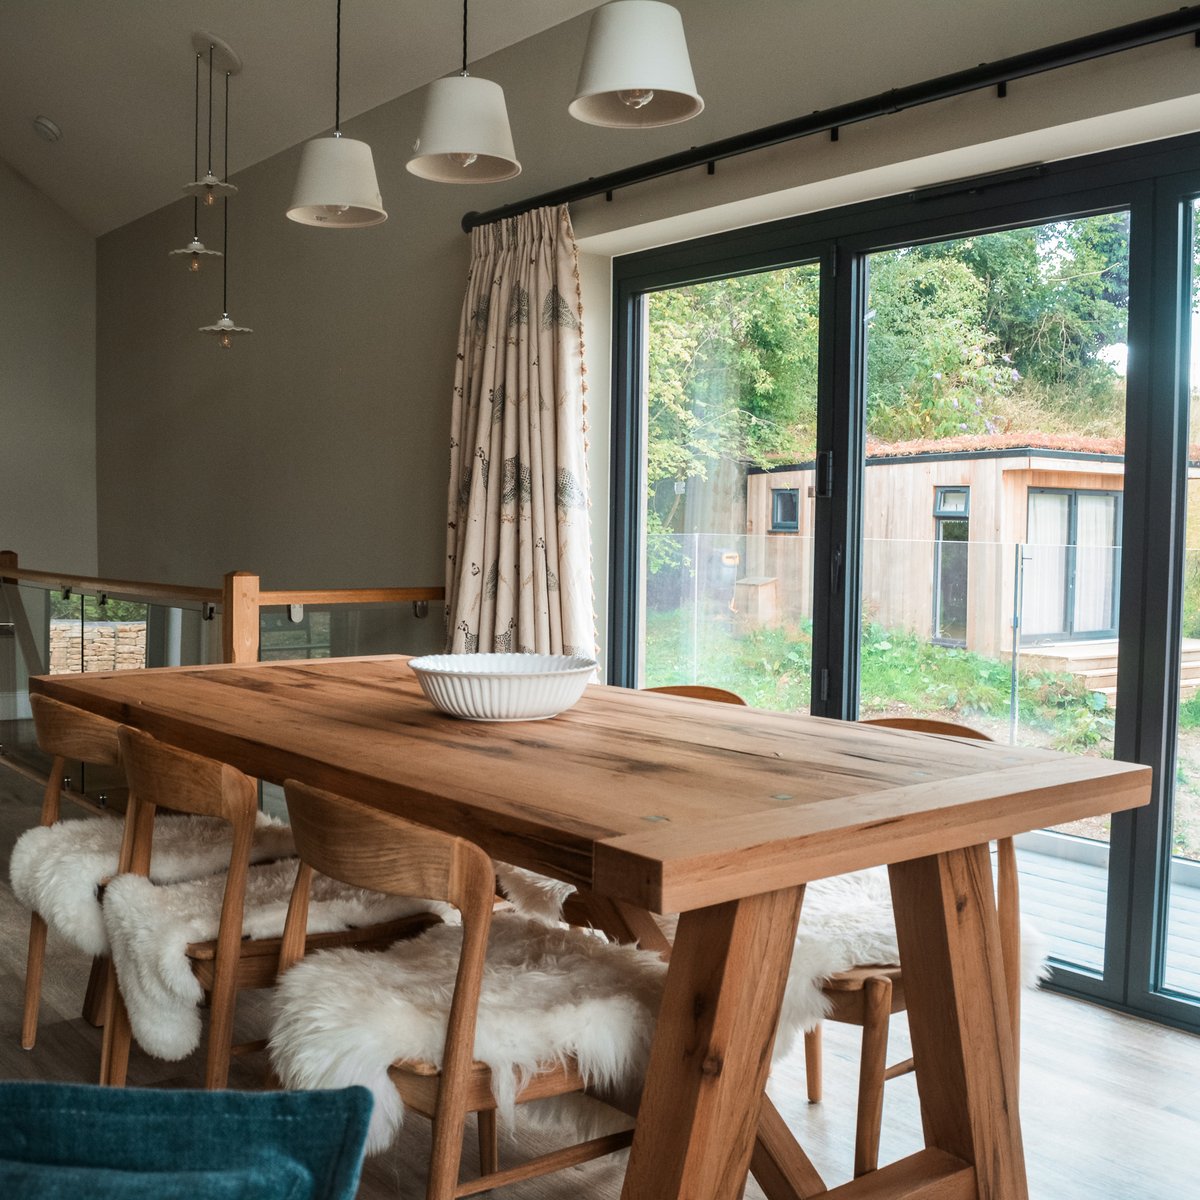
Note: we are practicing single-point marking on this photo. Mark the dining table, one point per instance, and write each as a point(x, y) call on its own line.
point(658, 804)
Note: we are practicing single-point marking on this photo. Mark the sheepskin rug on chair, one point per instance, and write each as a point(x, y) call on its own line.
point(150, 927)
point(342, 1017)
point(57, 870)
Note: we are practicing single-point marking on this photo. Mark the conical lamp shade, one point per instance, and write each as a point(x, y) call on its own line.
point(465, 136)
point(636, 72)
point(336, 186)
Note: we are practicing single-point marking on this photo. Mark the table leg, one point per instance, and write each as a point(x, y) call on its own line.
point(699, 1115)
point(958, 1015)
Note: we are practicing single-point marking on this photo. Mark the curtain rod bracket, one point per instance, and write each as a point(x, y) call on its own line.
point(833, 134)
point(1001, 89)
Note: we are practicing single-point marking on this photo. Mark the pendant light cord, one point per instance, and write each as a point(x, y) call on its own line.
point(210, 71)
point(464, 66)
point(337, 76)
point(196, 155)
point(225, 235)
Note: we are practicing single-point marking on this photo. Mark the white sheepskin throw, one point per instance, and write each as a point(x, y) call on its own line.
point(150, 927)
point(532, 895)
point(846, 921)
point(56, 870)
point(342, 1017)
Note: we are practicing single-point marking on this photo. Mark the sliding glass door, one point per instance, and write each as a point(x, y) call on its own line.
point(930, 456)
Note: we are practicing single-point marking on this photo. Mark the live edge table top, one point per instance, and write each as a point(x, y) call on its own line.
point(670, 804)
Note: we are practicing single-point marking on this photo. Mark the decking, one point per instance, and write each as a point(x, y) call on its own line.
point(1067, 902)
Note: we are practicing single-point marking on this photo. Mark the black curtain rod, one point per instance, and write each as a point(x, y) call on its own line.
point(997, 74)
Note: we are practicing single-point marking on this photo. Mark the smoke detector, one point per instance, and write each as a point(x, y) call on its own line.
point(46, 129)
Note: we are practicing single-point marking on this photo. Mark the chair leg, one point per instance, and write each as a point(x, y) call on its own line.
point(445, 1156)
point(489, 1145)
point(877, 1012)
point(94, 997)
point(114, 1048)
point(33, 980)
point(812, 1063)
point(220, 1038)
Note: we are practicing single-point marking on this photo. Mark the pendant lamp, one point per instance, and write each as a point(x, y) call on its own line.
point(635, 72)
point(210, 187)
point(225, 329)
point(336, 185)
point(195, 249)
point(465, 136)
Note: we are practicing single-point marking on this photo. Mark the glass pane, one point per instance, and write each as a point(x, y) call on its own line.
point(731, 386)
point(346, 631)
point(995, 370)
point(1182, 964)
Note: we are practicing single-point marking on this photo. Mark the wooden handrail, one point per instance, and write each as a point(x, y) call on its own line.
point(242, 597)
point(109, 587)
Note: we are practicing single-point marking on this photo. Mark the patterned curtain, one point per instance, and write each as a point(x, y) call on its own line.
point(518, 576)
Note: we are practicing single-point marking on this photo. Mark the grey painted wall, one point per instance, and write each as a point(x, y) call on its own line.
point(47, 382)
point(314, 452)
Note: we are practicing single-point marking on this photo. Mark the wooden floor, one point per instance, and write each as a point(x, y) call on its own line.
point(1110, 1104)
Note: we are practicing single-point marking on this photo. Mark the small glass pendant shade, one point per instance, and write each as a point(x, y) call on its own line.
point(336, 186)
point(465, 136)
point(636, 73)
point(197, 250)
point(225, 331)
point(209, 189)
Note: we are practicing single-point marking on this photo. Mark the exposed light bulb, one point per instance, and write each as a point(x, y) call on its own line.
point(194, 265)
point(636, 97)
point(226, 340)
point(209, 198)
point(329, 211)
point(463, 160)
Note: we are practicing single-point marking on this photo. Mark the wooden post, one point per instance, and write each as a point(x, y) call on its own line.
point(22, 630)
point(239, 618)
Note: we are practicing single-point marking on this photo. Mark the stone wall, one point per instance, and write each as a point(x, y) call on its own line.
point(96, 646)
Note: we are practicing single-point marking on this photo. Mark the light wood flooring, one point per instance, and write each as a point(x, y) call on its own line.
point(1110, 1104)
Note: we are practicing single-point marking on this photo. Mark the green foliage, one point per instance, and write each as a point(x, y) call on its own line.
point(732, 374)
point(89, 608)
point(900, 673)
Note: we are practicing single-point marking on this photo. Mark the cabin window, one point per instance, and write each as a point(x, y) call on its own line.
point(785, 510)
point(951, 508)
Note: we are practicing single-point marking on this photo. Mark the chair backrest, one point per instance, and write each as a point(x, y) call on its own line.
point(68, 732)
point(159, 774)
point(699, 691)
point(133, 1143)
point(926, 725)
point(366, 847)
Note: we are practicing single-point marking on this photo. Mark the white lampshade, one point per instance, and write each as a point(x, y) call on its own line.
point(336, 186)
point(465, 137)
point(636, 73)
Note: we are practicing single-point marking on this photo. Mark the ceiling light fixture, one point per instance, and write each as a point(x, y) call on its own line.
point(46, 129)
point(636, 73)
point(336, 185)
point(195, 249)
point(465, 135)
point(210, 186)
point(225, 329)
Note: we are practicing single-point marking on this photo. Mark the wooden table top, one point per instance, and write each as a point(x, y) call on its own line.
point(667, 803)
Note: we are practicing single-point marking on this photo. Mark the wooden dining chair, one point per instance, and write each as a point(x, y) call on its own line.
point(870, 994)
point(369, 848)
point(222, 966)
point(699, 691)
point(67, 734)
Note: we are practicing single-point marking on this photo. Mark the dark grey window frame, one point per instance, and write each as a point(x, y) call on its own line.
point(778, 526)
point(1156, 183)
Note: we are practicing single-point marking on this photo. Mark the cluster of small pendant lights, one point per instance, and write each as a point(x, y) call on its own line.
point(207, 189)
point(635, 74)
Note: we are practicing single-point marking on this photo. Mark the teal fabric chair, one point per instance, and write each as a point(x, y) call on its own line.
point(65, 1141)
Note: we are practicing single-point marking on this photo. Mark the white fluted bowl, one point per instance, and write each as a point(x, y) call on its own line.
point(503, 687)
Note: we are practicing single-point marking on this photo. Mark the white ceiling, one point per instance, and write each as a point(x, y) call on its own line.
point(117, 76)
